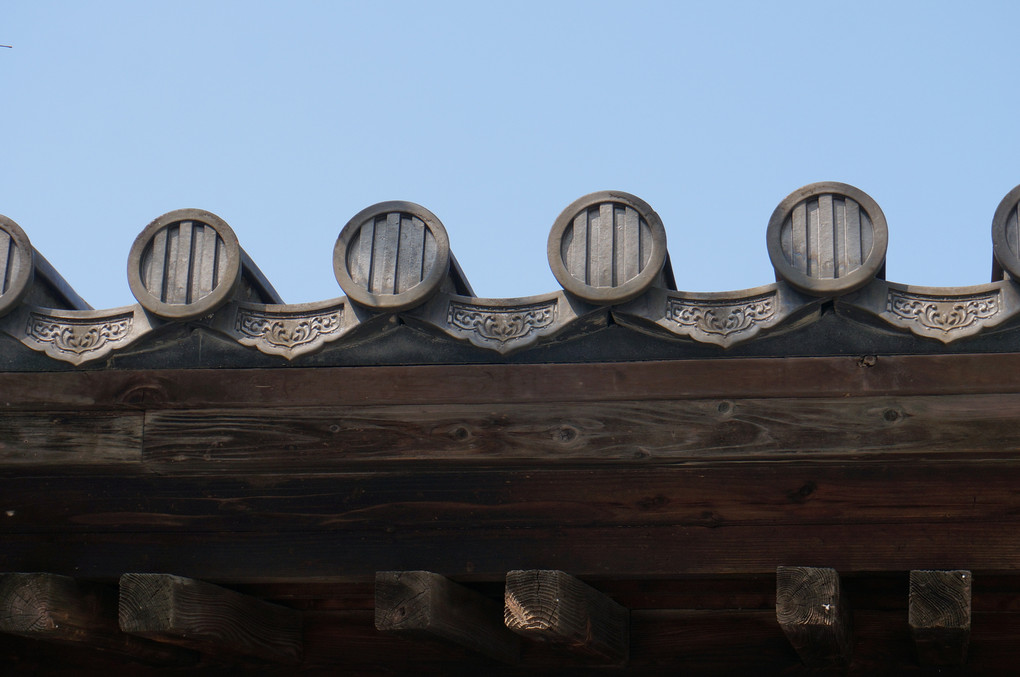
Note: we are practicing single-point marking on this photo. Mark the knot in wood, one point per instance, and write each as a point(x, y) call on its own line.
point(144, 395)
point(566, 434)
point(867, 361)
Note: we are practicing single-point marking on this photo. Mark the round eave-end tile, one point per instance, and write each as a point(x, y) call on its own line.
point(607, 247)
point(392, 256)
point(827, 239)
point(185, 264)
point(17, 264)
point(1006, 234)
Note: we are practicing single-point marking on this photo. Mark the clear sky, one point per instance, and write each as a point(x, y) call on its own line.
point(286, 119)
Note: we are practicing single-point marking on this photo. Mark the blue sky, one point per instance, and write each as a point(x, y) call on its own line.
point(286, 119)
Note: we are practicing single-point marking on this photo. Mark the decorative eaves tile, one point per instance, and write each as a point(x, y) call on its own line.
point(286, 330)
point(722, 318)
point(77, 336)
point(503, 325)
point(943, 313)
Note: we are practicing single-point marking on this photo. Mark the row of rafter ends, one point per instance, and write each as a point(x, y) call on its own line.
point(827, 243)
point(167, 620)
point(554, 607)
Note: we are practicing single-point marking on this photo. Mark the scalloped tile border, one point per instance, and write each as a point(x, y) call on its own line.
point(77, 336)
point(945, 314)
point(286, 330)
point(502, 325)
point(722, 318)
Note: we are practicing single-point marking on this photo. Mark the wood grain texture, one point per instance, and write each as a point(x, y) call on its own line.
point(70, 439)
point(554, 606)
point(814, 615)
point(422, 604)
point(60, 609)
point(193, 613)
point(853, 376)
point(283, 439)
point(715, 497)
point(940, 613)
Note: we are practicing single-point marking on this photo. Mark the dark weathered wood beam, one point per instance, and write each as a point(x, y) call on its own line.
point(330, 439)
point(56, 608)
point(422, 604)
point(940, 606)
point(717, 496)
point(813, 614)
point(480, 552)
point(200, 615)
point(556, 607)
point(509, 383)
point(622, 431)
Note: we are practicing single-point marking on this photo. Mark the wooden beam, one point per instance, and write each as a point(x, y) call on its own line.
point(328, 439)
point(60, 609)
point(70, 439)
point(200, 615)
point(512, 383)
point(556, 607)
point(940, 605)
point(718, 496)
point(426, 605)
point(280, 440)
point(813, 614)
point(479, 552)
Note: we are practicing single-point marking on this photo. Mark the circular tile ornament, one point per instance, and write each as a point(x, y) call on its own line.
point(607, 247)
point(392, 256)
point(827, 239)
point(1006, 234)
point(17, 264)
point(185, 264)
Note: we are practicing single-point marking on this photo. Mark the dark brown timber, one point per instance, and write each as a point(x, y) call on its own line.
point(813, 614)
point(852, 376)
point(193, 613)
point(422, 604)
point(60, 609)
point(940, 606)
point(622, 432)
point(554, 606)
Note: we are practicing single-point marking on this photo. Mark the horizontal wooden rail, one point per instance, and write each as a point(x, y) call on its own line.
point(284, 440)
point(850, 376)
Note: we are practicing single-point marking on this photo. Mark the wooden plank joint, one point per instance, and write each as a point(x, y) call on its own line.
point(200, 615)
point(940, 609)
point(812, 612)
point(554, 606)
point(425, 605)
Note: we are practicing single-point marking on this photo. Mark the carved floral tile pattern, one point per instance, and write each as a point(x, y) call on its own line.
point(721, 317)
point(78, 337)
point(501, 323)
point(287, 333)
point(943, 313)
